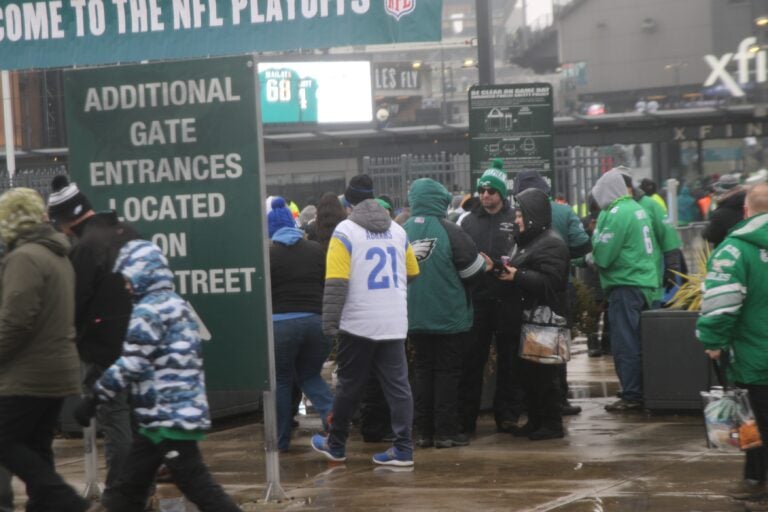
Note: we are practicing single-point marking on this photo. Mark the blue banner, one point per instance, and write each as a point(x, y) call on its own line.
point(64, 33)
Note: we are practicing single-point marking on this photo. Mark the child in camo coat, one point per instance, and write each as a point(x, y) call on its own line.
point(162, 364)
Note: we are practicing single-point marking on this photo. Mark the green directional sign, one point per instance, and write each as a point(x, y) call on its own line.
point(514, 123)
point(173, 148)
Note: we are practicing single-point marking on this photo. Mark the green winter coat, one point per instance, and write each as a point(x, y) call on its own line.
point(735, 303)
point(439, 301)
point(569, 227)
point(37, 314)
point(623, 248)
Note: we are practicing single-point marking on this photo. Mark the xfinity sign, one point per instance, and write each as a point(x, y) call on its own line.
point(743, 58)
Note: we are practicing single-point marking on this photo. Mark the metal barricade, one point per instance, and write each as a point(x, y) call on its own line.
point(37, 178)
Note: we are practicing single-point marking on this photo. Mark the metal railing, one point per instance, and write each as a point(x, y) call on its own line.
point(37, 178)
point(393, 175)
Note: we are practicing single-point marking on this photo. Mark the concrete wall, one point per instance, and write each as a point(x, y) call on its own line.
point(623, 55)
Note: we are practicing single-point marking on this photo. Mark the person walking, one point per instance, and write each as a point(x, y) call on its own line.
point(732, 321)
point(297, 272)
point(38, 358)
point(623, 252)
point(102, 305)
point(492, 228)
point(369, 265)
point(439, 330)
point(162, 365)
point(538, 269)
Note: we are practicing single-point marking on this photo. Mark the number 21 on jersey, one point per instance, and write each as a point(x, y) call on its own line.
point(384, 272)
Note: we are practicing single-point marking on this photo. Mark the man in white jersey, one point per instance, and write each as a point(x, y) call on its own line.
point(368, 268)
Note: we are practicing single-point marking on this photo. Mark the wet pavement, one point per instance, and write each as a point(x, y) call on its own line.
point(607, 462)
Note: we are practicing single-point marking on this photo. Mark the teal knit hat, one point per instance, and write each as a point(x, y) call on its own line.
point(495, 178)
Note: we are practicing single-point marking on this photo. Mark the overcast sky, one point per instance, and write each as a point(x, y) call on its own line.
point(538, 8)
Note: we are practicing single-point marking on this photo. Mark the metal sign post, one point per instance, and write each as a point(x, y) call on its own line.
point(92, 487)
point(10, 150)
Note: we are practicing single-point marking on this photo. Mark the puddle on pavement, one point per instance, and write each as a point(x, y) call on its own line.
point(600, 389)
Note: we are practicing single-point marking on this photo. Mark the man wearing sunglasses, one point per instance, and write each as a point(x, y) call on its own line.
point(492, 227)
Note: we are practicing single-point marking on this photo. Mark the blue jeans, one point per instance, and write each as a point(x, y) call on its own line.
point(356, 357)
point(301, 348)
point(625, 304)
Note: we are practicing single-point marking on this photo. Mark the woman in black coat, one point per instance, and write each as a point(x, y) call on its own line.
point(538, 268)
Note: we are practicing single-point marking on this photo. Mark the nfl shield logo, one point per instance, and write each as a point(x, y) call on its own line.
point(399, 8)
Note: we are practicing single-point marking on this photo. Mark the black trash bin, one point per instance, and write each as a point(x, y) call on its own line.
point(675, 368)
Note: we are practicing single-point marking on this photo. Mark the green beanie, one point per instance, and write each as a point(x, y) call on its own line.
point(495, 178)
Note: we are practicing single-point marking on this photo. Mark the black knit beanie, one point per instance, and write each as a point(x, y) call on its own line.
point(66, 203)
point(360, 188)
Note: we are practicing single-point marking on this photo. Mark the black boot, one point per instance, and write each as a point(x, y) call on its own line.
point(605, 344)
point(593, 346)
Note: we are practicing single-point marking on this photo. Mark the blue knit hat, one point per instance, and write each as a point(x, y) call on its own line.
point(279, 217)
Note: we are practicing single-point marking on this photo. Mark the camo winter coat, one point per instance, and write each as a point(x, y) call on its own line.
point(161, 359)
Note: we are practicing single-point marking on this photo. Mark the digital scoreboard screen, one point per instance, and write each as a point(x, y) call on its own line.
point(316, 92)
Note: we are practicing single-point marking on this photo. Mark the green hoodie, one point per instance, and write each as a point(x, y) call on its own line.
point(622, 247)
point(622, 244)
point(439, 302)
point(735, 302)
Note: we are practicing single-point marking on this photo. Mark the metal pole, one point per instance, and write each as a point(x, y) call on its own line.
point(442, 76)
point(10, 150)
point(485, 62)
point(92, 488)
point(672, 185)
point(274, 490)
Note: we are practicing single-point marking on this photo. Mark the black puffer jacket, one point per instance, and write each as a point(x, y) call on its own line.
point(729, 212)
point(541, 256)
point(493, 235)
point(102, 304)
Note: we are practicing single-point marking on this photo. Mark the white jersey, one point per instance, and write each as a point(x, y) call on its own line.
point(377, 266)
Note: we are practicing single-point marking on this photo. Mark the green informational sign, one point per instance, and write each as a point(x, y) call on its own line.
point(173, 148)
point(62, 33)
point(513, 122)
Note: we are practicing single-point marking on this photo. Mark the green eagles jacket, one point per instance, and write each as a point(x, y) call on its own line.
point(623, 248)
point(439, 301)
point(735, 302)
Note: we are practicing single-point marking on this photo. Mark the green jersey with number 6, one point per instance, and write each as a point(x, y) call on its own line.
point(623, 248)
